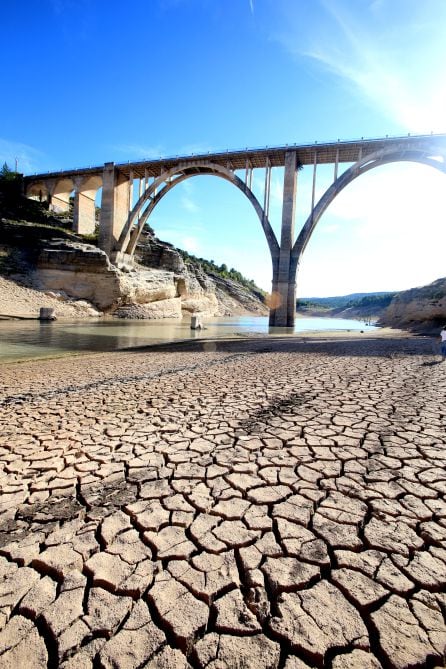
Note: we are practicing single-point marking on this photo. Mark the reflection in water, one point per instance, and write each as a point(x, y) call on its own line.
point(36, 339)
point(45, 333)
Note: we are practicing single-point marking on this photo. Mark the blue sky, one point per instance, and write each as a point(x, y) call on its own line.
point(88, 81)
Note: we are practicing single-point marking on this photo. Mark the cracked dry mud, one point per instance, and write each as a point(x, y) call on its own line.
point(276, 506)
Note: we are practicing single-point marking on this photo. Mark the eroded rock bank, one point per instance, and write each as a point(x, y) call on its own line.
point(420, 309)
point(45, 266)
point(168, 289)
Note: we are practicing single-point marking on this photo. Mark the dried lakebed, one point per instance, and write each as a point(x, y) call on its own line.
point(267, 505)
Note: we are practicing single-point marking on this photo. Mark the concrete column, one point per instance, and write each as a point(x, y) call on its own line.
point(267, 189)
point(313, 190)
point(142, 188)
point(251, 170)
point(114, 207)
point(51, 187)
point(84, 219)
point(336, 165)
point(130, 191)
point(60, 202)
point(283, 307)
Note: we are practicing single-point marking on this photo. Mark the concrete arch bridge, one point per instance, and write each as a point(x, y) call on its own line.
point(124, 211)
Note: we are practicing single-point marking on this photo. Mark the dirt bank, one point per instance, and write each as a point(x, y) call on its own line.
point(22, 300)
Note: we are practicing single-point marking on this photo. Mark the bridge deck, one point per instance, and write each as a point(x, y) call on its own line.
point(326, 153)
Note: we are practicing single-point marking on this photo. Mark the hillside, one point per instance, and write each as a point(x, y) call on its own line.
point(364, 306)
point(42, 263)
point(421, 309)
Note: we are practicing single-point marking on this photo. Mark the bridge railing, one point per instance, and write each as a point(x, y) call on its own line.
point(248, 149)
point(279, 147)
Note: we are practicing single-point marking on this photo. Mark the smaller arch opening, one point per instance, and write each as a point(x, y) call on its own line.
point(60, 196)
point(86, 212)
point(38, 191)
point(208, 218)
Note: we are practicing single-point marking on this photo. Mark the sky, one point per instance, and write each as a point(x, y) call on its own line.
point(84, 82)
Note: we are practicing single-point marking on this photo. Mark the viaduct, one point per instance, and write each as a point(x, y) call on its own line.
point(122, 220)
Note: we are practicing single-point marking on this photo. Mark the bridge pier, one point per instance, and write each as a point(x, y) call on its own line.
point(116, 198)
point(58, 198)
point(59, 203)
point(84, 210)
point(283, 301)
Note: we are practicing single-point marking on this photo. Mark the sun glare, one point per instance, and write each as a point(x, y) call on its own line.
point(383, 232)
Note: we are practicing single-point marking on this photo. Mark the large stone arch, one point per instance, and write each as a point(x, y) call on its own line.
point(433, 158)
point(165, 182)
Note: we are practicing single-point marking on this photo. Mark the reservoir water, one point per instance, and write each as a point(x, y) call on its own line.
point(23, 340)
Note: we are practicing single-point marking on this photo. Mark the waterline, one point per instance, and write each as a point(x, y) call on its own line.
point(23, 340)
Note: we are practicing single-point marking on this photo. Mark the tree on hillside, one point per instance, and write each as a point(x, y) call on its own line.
point(10, 182)
point(6, 173)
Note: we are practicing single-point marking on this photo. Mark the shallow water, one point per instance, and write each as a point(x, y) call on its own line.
point(21, 340)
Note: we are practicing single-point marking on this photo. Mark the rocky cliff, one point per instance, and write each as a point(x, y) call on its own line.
point(200, 288)
point(418, 309)
point(159, 284)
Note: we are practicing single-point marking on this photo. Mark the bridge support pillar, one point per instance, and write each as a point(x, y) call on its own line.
point(283, 303)
point(114, 207)
point(58, 196)
point(83, 214)
point(60, 203)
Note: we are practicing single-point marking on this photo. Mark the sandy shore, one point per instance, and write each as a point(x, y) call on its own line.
point(257, 503)
point(25, 301)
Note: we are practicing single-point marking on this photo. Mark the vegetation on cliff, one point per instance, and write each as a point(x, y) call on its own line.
point(211, 268)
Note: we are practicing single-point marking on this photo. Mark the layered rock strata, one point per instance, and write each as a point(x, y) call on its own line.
point(169, 290)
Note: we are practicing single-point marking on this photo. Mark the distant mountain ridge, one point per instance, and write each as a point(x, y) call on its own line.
point(379, 299)
point(350, 296)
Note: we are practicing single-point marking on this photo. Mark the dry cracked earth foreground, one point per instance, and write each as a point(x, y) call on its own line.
point(277, 506)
